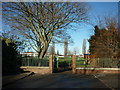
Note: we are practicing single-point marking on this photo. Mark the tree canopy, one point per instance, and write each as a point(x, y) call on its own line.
point(40, 22)
point(105, 43)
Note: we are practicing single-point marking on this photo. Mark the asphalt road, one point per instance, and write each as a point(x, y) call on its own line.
point(58, 80)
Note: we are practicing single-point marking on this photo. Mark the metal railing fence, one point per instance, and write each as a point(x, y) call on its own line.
point(35, 61)
point(107, 62)
point(98, 62)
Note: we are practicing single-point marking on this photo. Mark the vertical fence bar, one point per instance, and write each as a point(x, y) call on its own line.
point(57, 62)
point(22, 62)
point(69, 62)
point(74, 64)
point(28, 61)
point(51, 63)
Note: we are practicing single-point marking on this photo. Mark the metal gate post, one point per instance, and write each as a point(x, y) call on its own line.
point(57, 62)
point(74, 64)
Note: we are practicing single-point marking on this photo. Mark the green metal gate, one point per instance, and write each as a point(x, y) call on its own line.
point(35, 61)
point(62, 63)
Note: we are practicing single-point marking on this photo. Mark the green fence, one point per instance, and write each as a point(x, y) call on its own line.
point(35, 61)
point(98, 62)
point(107, 62)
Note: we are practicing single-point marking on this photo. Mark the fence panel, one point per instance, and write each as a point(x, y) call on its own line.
point(98, 62)
point(35, 61)
point(107, 62)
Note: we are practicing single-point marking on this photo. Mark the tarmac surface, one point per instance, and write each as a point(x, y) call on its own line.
point(11, 78)
point(110, 80)
point(58, 80)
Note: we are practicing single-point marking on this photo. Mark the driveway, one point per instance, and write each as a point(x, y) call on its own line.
point(58, 80)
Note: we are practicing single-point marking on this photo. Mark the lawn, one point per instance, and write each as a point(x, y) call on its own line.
point(79, 61)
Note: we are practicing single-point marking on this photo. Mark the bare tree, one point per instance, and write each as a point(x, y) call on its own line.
point(75, 50)
point(52, 48)
point(65, 46)
point(69, 52)
point(58, 52)
point(40, 22)
point(84, 47)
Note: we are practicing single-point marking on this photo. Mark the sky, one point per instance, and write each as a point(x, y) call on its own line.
point(85, 30)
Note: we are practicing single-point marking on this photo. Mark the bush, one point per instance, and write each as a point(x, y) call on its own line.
point(10, 59)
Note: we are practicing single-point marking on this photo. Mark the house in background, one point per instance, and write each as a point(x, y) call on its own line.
point(34, 54)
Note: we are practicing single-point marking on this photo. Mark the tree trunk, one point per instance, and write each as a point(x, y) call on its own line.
point(44, 50)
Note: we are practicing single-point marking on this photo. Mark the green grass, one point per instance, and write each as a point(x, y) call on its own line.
point(65, 59)
point(83, 66)
point(80, 63)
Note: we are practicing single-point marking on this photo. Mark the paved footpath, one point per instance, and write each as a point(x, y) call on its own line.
point(110, 80)
point(58, 80)
point(9, 79)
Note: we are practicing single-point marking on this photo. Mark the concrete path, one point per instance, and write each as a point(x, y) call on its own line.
point(58, 80)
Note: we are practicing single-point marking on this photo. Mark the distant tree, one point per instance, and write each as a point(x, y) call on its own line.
point(88, 52)
point(65, 46)
point(52, 48)
point(40, 22)
point(57, 52)
point(75, 50)
point(48, 51)
point(69, 52)
point(84, 47)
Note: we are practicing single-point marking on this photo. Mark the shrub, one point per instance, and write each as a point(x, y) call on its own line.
point(10, 59)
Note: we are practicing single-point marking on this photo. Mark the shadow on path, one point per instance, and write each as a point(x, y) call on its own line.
point(58, 80)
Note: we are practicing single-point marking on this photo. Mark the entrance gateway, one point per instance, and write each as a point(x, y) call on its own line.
point(62, 63)
point(50, 64)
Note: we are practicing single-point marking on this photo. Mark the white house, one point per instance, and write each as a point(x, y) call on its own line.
point(34, 54)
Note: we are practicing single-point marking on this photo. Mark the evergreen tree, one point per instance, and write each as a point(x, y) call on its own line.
point(10, 57)
point(104, 42)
